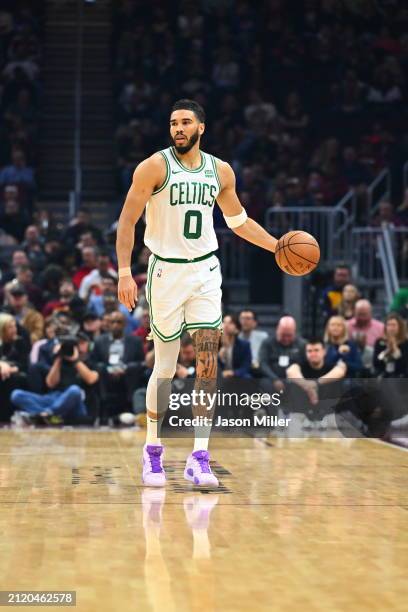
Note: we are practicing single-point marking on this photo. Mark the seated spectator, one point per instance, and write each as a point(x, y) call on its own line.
point(249, 323)
point(66, 381)
point(364, 323)
point(278, 353)
point(235, 354)
point(66, 294)
point(98, 303)
point(24, 277)
point(119, 359)
point(350, 296)
point(400, 302)
point(317, 379)
point(92, 281)
point(143, 330)
point(50, 329)
point(18, 258)
point(33, 246)
point(81, 224)
point(332, 295)
point(92, 325)
point(186, 363)
point(18, 173)
point(13, 219)
point(28, 317)
point(386, 215)
point(391, 350)
point(89, 262)
point(340, 348)
point(14, 351)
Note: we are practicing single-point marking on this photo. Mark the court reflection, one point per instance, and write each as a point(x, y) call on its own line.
point(195, 569)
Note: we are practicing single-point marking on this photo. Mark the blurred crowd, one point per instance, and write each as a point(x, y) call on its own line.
point(71, 354)
point(304, 99)
point(20, 97)
point(303, 103)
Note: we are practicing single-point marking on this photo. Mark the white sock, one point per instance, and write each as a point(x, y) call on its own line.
point(201, 438)
point(151, 432)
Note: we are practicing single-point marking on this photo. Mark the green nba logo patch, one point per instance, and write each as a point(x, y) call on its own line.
point(208, 173)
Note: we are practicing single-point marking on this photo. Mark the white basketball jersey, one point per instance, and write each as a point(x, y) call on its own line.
point(179, 214)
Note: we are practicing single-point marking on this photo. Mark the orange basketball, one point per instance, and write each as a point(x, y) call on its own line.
point(297, 253)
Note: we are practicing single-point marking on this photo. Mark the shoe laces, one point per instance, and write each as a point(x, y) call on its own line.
point(203, 459)
point(155, 459)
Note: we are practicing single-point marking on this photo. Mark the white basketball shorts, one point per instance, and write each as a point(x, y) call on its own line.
point(183, 296)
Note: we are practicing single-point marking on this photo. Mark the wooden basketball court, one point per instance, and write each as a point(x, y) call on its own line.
point(308, 525)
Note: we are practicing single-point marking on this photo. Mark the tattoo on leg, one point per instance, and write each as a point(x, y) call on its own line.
point(206, 345)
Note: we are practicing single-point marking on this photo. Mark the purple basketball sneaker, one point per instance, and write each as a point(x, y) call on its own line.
point(153, 472)
point(198, 469)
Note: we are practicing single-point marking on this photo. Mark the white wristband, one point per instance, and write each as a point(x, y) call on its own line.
point(236, 220)
point(124, 272)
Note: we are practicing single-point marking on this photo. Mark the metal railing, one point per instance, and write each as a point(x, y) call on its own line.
point(234, 255)
point(400, 239)
point(76, 193)
point(380, 189)
point(331, 226)
point(374, 251)
point(405, 175)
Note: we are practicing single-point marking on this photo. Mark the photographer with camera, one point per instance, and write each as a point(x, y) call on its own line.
point(67, 381)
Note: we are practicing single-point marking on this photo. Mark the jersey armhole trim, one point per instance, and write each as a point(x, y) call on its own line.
point(166, 180)
point(216, 171)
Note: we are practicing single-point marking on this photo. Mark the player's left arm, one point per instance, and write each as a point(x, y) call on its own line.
point(235, 215)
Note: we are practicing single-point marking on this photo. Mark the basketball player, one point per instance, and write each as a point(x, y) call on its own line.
point(179, 187)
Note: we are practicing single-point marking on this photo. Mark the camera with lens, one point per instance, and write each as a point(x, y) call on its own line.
point(68, 344)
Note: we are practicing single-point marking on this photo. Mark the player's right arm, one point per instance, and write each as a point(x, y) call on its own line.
point(148, 175)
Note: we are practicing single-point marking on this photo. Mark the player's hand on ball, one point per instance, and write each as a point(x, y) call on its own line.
point(127, 292)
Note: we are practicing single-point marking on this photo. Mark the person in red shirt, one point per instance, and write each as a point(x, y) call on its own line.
point(66, 293)
point(89, 261)
point(143, 330)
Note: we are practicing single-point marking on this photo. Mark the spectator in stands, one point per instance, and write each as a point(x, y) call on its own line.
point(50, 329)
point(235, 354)
point(24, 276)
point(186, 363)
point(391, 350)
point(33, 246)
point(317, 380)
point(249, 323)
point(66, 381)
point(14, 351)
point(400, 302)
point(20, 309)
point(143, 330)
point(89, 263)
point(98, 303)
point(350, 296)
point(66, 294)
point(333, 294)
point(19, 258)
point(79, 225)
point(119, 359)
point(386, 215)
point(364, 323)
point(340, 348)
point(13, 219)
point(18, 172)
point(92, 281)
point(92, 325)
point(278, 353)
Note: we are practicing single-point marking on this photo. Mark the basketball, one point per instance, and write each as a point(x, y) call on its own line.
point(297, 253)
